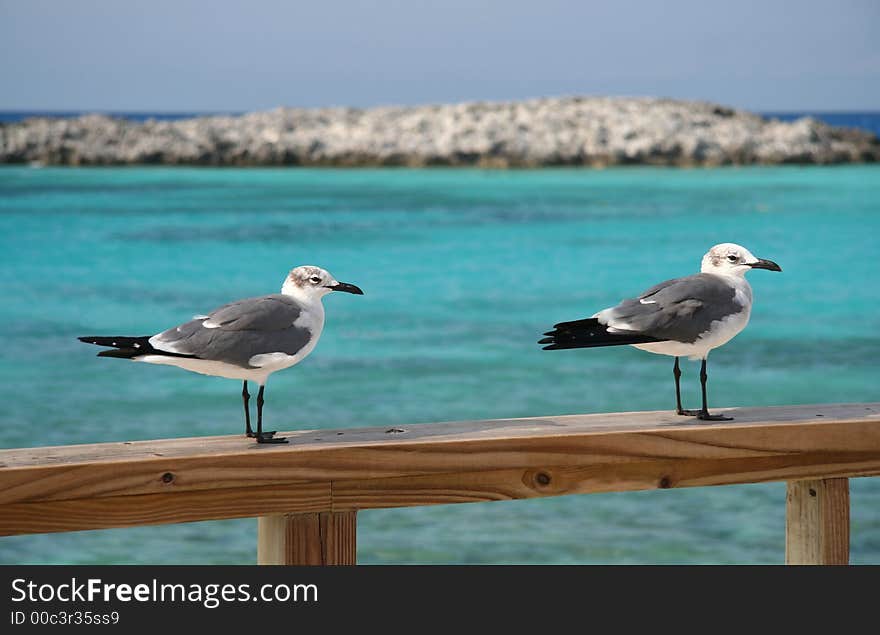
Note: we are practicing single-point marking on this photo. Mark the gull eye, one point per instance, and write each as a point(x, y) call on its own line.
point(315, 279)
point(733, 258)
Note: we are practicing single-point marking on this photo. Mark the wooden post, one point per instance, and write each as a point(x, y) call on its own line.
point(817, 522)
point(322, 538)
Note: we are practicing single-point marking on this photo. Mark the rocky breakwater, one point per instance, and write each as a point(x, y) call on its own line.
point(541, 132)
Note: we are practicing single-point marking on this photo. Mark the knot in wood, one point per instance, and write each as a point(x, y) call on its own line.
point(167, 477)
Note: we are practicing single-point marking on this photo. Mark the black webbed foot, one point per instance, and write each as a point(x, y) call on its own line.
point(267, 437)
point(253, 435)
point(705, 416)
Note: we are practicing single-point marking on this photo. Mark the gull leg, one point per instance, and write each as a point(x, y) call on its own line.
point(246, 397)
point(264, 437)
point(676, 372)
point(704, 412)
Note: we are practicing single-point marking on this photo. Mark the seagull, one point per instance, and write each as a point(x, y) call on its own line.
point(247, 339)
point(681, 317)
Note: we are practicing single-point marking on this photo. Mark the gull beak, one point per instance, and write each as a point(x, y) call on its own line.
point(765, 264)
point(344, 286)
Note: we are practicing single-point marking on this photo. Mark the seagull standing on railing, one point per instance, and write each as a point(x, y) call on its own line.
point(247, 339)
point(681, 317)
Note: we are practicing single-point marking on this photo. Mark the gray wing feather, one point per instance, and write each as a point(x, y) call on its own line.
point(239, 331)
point(267, 313)
point(681, 309)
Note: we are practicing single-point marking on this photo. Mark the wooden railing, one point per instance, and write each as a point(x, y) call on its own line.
point(307, 494)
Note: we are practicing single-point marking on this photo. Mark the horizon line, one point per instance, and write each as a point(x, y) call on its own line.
point(191, 111)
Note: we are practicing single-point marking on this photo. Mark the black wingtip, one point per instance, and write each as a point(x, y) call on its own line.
point(547, 340)
point(119, 353)
point(585, 322)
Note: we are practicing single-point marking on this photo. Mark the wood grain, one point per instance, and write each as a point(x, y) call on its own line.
point(178, 480)
point(493, 485)
point(325, 538)
point(155, 509)
point(817, 522)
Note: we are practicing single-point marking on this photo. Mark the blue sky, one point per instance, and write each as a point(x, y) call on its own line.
point(194, 56)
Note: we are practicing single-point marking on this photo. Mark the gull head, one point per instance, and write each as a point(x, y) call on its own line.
point(728, 259)
point(309, 283)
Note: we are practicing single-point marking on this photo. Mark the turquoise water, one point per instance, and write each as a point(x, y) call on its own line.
point(462, 271)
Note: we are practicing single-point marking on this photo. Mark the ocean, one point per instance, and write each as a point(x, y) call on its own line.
point(462, 270)
point(11, 116)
